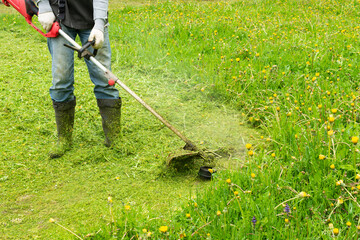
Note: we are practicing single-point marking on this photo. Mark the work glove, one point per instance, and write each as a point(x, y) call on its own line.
point(98, 36)
point(46, 20)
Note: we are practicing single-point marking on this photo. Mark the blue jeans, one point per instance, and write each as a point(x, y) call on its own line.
point(62, 88)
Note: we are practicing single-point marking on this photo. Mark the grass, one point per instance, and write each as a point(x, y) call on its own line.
point(290, 68)
point(74, 189)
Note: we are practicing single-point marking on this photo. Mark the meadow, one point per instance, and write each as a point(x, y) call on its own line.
point(288, 68)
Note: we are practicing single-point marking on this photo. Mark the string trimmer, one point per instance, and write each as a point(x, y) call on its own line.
point(28, 9)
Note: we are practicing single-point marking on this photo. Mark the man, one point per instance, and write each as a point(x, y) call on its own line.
point(88, 20)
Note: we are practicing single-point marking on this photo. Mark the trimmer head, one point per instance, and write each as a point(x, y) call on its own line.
point(182, 158)
point(187, 157)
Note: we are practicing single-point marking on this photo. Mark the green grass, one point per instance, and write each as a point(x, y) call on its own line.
point(290, 68)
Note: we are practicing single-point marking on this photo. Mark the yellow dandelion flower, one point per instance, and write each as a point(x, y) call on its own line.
point(253, 175)
point(228, 181)
point(218, 213)
point(144, 230)
point(354, 140)
point(163, 229)
point(273, 154)
point(236, 193)
point(340, 183)
point(330, 132)
point(322, 157)
point(336, 231)
point(250, 153)
point(286, 220)
point(348, 224)
point(334, 110)
point(127, 207)
point(303, 194)
point(188, 215)
point(51, 220)
point(332, 166)
point(248, 146)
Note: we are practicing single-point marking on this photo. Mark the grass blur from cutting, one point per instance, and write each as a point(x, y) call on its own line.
point(291, 69)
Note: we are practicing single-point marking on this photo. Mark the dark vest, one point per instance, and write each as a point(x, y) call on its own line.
point(78, 13)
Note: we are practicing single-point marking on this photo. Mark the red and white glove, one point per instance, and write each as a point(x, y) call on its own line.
point(46, 20)
point(98, 36)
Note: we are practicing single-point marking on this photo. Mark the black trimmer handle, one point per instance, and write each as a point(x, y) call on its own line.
point(86, 46)
point(83, 52)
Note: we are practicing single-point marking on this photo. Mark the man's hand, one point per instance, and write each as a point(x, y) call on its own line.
point(46, 20)
point(98, 36)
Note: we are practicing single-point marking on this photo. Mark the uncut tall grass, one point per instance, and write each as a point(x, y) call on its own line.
point(291, 68)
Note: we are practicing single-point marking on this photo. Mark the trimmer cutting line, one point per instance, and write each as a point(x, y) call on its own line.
point(28, 9)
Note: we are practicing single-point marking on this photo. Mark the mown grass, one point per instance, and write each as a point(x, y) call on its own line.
point(291, 68)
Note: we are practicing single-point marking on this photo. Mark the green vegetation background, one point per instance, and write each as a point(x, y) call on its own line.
point(290, 68)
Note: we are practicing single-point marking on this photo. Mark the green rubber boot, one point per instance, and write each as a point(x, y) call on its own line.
point(64, 115)
point(110, 111)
